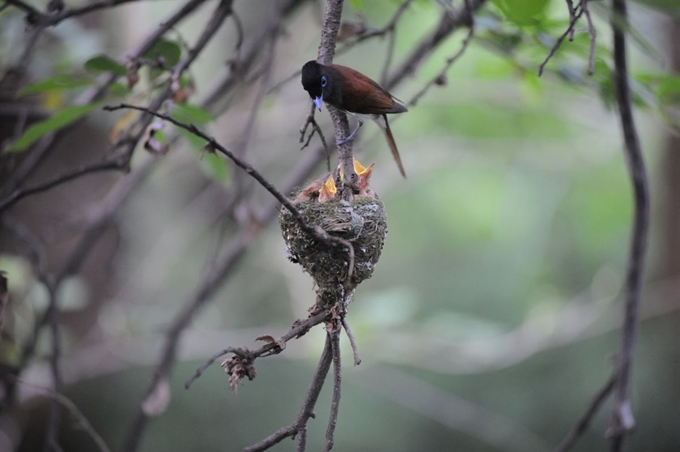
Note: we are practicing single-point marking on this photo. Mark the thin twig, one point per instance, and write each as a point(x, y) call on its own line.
point(449, 62)
point(315, 128)
point(69, 176)
point(52, 437)
point(35, 17)
point(298, 329)
point(390, 54)
point(593, 37)
point(307, 409)
point(67, 403)
point(451, 20)
point(623, 420)
point(572, 15)
point(559, 41)
point(337, 381)
point(352, 341)
point(582, 425)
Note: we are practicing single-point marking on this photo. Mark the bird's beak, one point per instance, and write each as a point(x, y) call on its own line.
point(328, 190)
point(317, 101)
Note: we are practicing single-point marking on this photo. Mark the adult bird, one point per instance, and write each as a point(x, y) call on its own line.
point(353, 92)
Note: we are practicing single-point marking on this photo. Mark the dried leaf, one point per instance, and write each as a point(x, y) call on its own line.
point(350, 29)
point(271, 340)
point(132, 68)
point(238, 368)
point(207, 149)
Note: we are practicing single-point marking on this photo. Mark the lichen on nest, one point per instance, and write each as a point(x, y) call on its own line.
point(362, 222)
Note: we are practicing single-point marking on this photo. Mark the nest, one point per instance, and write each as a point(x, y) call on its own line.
point(362, 222)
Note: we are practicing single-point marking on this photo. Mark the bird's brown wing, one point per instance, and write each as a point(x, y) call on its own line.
point(362, 95)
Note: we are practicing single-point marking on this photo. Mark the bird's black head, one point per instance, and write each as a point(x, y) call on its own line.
point(314, 81)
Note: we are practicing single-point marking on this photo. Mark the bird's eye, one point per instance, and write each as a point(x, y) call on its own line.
point(323, 81)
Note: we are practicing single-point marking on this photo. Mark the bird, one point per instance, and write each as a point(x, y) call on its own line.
point(364, 180)
point(353, 92)
point(319, 190)
point(363, 184)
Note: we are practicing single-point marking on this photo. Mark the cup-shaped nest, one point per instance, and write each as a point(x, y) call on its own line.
point(362, 222)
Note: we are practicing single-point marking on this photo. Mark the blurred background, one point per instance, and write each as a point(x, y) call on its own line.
point(492, 317)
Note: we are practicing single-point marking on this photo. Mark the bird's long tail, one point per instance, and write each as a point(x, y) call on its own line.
point(393, 146)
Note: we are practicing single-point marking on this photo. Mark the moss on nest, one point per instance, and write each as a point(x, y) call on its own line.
point(362, 222)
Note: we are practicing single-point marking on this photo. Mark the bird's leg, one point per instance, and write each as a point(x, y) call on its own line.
point(360, 122)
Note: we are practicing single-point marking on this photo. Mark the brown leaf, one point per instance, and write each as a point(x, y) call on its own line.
point(350, 29)
point(238, 368)
point(132, 67)
point(208, 148)
point(182, 93)
point(271, 340)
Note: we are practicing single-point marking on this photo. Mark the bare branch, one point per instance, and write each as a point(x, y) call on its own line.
point(559, 41)
point(337, 380)
point(352, 341)
point(71, 175)
point(572, 16)
point(593, 37)
point(307, 410)
point(315, 128)
point(582, 425)
point(43, 20)
point(449, 61)
point(623, 421)
point(451, 20)
point(298, 329)
point(67, 403)
point(329, 34)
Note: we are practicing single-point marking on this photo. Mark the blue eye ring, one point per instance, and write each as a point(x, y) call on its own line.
point(323, 81)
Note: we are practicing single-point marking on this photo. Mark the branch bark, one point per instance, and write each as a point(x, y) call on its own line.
point(623, 420)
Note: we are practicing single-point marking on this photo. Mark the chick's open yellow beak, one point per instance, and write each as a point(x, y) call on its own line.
point(328, 190)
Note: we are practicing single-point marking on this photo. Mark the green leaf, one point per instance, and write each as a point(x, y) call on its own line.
point(356, 5)
point(217, 167)
point(523, 12)
point(192, 114)
point(669, 89)
point(57, 82)
point(196, 142)
point(120, 89)
point(169, 51)
point(102, 63)
point(61, 119)
point(213, 164)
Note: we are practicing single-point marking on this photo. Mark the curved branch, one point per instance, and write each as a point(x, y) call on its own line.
point(623, 420)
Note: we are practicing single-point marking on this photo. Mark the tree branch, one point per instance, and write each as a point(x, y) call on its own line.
point(329, 34)
point(315, 231)
point(307, 410)
point(623, 421)
point(584, 422)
